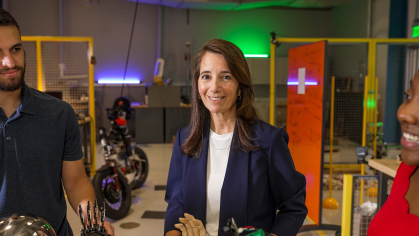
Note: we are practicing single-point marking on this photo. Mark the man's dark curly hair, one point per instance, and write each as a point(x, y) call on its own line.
point(6, 19)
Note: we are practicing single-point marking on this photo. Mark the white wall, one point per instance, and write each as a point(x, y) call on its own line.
point(411, 16)
point(36, 17)
point(350, 19)
point(249, 29)
point(109, 23)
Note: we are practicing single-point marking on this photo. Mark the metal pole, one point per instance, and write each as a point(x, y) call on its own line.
point(272, 87)
point(375, 116)
point(364, 127)
point(364, 119)
point(332, 110)
point(347, 204)
point(92, 109)
point(41, 85)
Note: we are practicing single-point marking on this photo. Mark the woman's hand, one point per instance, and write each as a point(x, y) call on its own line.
point(191, 226)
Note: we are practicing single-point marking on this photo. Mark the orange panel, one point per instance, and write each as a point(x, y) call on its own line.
point(305, 118)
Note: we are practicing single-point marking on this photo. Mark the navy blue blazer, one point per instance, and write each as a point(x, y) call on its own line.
point(261, 188)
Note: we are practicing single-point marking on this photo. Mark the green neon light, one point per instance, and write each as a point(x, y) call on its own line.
point(256, 55)
point(370, 104)
point(415, 31)
point(250, 37)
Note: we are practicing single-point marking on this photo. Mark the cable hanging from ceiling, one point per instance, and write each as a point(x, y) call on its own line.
point(129, 48)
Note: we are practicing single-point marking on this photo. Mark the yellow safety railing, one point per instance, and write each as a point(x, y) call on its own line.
point(370, 113)
point(272, 87)
point(347, 205)
point(375, 115)
point(41, 83)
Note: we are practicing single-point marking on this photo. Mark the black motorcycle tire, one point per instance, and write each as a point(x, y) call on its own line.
point(141, 174)
point(103, 191)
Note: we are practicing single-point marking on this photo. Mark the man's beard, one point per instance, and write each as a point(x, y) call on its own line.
point(14, 83)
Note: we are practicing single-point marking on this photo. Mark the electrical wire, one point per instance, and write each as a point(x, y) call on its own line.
point(129, 49)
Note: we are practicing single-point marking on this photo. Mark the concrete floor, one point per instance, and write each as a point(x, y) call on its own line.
point(148, 199)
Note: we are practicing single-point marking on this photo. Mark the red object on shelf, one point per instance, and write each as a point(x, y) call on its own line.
point(121, 121)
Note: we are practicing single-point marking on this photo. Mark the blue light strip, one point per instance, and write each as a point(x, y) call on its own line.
point(306, 83)
point(118, 81)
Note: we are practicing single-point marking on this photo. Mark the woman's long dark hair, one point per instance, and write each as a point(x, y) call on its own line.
point(245, 110)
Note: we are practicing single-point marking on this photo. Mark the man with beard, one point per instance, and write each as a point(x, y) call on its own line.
point(40, 148)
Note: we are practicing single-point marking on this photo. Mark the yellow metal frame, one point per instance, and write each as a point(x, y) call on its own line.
point(347, 205)
point(343, 166)
point(370, 114)
point(364, 118)
point(272, 87)
point(41, 82)
point(375, 115)
point(332, 116)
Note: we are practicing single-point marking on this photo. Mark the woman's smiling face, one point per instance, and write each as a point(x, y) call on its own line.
point(408, 116)
point(217, 86)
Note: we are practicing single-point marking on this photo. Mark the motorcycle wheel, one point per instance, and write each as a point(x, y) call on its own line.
point(141, 168)
point(117, 204)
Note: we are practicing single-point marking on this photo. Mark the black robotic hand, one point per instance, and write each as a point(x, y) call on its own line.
point(93, 227)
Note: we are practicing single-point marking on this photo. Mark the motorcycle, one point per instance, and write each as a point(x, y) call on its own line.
point(125, 168)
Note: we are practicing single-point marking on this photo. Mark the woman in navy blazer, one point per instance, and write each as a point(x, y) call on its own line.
point(261, 187)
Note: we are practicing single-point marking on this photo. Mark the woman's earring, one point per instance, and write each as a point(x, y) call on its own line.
point(199, 96)
point(239, 97)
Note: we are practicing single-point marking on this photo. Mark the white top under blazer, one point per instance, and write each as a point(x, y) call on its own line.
point(218, 152)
